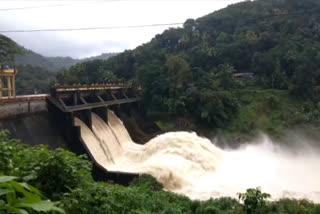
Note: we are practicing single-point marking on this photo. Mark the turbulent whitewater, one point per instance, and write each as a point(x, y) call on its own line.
point(188, 164)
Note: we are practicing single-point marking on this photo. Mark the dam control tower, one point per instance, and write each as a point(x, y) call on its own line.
point(7, 81)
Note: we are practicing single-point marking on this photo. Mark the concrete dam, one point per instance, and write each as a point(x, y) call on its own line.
point(88, 120)
point(50, 118)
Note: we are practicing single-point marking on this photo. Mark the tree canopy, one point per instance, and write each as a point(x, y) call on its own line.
point(8, 50)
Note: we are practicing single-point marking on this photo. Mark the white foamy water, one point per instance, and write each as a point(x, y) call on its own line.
point(190, 165)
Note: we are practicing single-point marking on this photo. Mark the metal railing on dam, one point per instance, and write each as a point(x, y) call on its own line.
point(81, 97)
point(24, 98)
point(22, 105)
point(69, 99)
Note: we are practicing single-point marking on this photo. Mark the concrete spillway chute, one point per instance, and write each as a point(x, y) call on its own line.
point(65, 104)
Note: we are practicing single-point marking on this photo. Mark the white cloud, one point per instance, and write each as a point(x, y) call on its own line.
point(96, 14)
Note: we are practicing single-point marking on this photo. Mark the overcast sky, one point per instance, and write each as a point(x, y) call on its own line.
point(100, 13)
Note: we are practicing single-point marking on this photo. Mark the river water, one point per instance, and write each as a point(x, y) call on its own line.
point(193, 166)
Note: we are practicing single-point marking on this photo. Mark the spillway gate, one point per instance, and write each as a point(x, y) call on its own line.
point(67, 102)
point(81, 97)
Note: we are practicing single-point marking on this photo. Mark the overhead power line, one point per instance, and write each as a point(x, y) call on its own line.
point(145, 26)
point(90, 28)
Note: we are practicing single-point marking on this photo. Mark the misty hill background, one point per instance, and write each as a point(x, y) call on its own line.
point(36, 72)
point(28, 57)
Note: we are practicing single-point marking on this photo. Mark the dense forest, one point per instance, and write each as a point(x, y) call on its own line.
point(33, 79)
point(253, 65)
point(38, 180)
point(8, 50)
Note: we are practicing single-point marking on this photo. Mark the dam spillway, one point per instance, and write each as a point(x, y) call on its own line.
point(190, 165)
point(49, 118)
point(111, 146)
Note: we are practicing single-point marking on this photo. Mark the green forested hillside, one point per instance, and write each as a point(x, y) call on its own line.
point(190, 71)
point(8, 50)
point(33, 79)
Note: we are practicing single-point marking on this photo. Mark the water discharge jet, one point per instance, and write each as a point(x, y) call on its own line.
point(188, 164)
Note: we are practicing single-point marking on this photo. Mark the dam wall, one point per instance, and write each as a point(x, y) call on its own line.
point(27, 119)
point(14, 109)
point(34, 129)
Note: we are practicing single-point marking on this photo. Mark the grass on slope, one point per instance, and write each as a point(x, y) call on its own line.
point(270, 111)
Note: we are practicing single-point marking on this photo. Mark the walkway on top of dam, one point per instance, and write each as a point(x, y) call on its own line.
point(24, 98)
point(82, 97)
